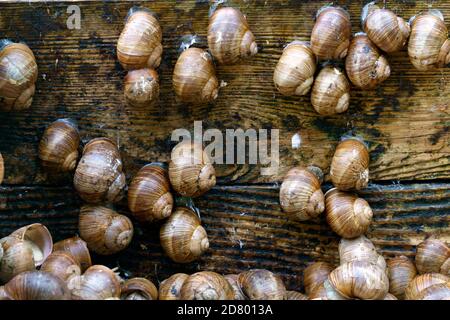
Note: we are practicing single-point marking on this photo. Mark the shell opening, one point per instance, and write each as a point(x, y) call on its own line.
point(70, 161)
point(163, 207)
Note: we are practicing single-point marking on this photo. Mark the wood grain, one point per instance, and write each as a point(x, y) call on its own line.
point(405, 121)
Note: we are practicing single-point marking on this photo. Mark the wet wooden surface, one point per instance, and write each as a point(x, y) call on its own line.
point(405, 121)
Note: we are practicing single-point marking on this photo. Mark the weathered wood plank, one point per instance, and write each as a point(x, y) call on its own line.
point(245, 227)
point(405, 121)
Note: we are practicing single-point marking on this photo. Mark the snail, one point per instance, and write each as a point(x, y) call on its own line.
point(300, 194)
point(229, 36)
point(260, 284)
point(428, 45)
point(62, 265)
point(139, 45)
point(36, 285)
point(361, 280)
point(350, 165)
point(346, 214)
point(295, 295)
point(387, 31)
point(194, 77)
point(331, 92)
point(439, 291)
point(141, 88)
point(104, 230)
point(182, 236)
point(97, 283)
point(58, 148)
point(18, 74)
point(366, 67)
point(170, 289)
point(138, 289)
point(431, 255)
point(98, 176)
point(401, 272)
point(206, 285)
point(2, 168)
point(149, 196)
point(191, 172)
point(422, 282)
point(24, 250)
point(330, 36)
point(77, 248)
point(315, 274)
point(294, 72)
point(233, 281)
point(360, 249)
point(325, 291)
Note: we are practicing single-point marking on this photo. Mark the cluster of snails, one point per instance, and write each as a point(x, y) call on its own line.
point(426, 37)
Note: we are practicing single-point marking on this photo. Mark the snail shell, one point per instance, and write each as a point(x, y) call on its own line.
point(3, 294)
point(229, 36)
point(315, 274)
point(194, 77)
point(389, 32)
point(366, 67)
point(428, 46)
point(295, 295)
point(61, 264)
point(191, 172)
point(58, 148)
point(182, 236)
point(233, 281)
point(99, 175)
point(139, 45)
point(149, 196)
point(2, 168)
point(401, 272)
point(260, 284)
point(104, 230)
point(18, 74)
point(330, 36)
point(141, 88)
point(346, 214)
point(350, 165)
point(294, 72)
point(138, 289)
point(325, 291)
point(431, 255)
point(170, 289)
point(436, 292)
point(331, 91)
point(77, 248)
point(390, 296)
point(422, 282)
point(300, 194)
point(97, 283)
point(206, 285)
point(360, 249)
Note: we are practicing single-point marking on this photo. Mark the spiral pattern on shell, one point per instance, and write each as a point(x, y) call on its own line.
point(138, 289)
point(77, 248)
point(97, 283)
point(141, 88)
point(315, 274)
point(260, 284)
point(401, 272)
point(421, 282)
point(206, 285)
point(170, 288)
point(360, 249)
point(431, 256)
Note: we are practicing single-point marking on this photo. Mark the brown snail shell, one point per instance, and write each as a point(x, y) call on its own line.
point(315, 274)
point(97, 283)
point(300, 194)
point(2, 168)
point(366, 67)
point(295, 295)
point(331, 91)
point(401, 272)
point(260, 284)
point(350, 165)
point(194, 77)
point(390, 296)
point(139, 45)
point(436, 292)
point(77, 248)
point(389, 32)
point(18, 74)
point(360, 249)
point(3, 294)
point(325, 291)
point(170, 289)
point(58, 148)
point(141, 88)
point(37, 285)
point(422, 282)
point(330, 36)
point(428, 45)
point(191, 172)
point(206, 285)
point(233, 281)
point(99, 175)
point(346, 214)
point(149, 196)
point(61, 264)
point(431, 255)
point(360, 279)
point(104, 230)
point(182, 236)
point(229, 36)
point(138, 289)
point(445, 268)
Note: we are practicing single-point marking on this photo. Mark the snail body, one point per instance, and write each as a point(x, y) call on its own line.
point(97, 283)
point(206, 285)
point(260, 284)
point(18, 74)
point(58, 148)
point(294, 72)
point(62, 265)
point(141, 88)
point(315, 274)
point(432, 254)
point(229, 36)
point(138, 289)
point(104, 230)
point(77, 248)
point(401, 272)
point(170, 289)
